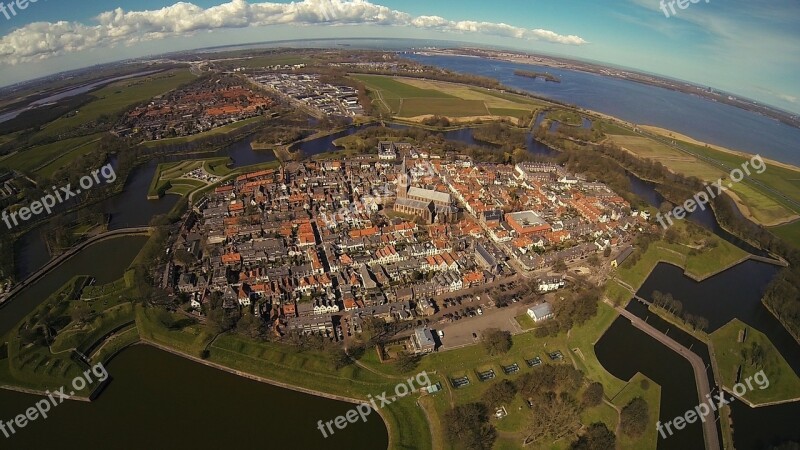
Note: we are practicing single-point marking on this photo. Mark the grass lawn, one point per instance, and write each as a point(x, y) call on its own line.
point(566, 117)
point(783, 382)
point(84, 337)
point(390, 87)
point(218, 167)
point(617, 293)
point(191, 338)
point(119, 96)
point(652, 395)
point(177, 170)
point(601, 413)
point(525, 322)
point(60, 153)
point(33, 365)
point(766, 206)
point(411, 97)
point(704, 263)
point(168, 176)
point(510, 97)
point(68, 157)
point(790, 233)
point(784, 180)
point(516, 113)
point(115, 343)
point(183, 187)
point(611, 128)
point(450, 107)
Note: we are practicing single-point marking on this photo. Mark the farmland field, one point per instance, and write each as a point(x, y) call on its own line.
point(451, 107)
point(50, 157)
point(117, 97)
point(415, 98)
point(765, 207)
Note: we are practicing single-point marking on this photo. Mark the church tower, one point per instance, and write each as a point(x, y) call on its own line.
point(403, 181)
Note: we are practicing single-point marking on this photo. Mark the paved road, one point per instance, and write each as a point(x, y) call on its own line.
point(700, 374)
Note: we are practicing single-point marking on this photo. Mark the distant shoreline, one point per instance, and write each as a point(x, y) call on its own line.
point(786, 117)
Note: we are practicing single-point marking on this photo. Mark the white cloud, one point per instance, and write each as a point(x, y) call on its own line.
point(42, 40)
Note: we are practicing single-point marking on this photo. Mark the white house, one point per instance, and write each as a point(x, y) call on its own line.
point(540, 312)
point(547, 284)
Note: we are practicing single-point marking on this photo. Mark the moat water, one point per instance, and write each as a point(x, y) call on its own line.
point(188, 394)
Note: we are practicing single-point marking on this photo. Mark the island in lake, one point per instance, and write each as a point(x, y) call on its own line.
point(546, 76)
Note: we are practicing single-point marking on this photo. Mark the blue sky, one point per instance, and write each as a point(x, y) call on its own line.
point(746, 47)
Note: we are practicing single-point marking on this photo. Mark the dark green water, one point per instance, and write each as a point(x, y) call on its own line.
point(160, 401)
point(106, 261)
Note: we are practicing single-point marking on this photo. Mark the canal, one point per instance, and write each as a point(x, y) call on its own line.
point(157, 400)
point(623, 350)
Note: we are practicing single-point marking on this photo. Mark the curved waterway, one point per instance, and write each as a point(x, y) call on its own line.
point(623, 350)
point(157, 400)
point(106, 261)
point(754, 428)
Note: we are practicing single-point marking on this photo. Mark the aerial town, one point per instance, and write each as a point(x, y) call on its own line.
point(309, 249)
point(309, 90)
point(201, 106)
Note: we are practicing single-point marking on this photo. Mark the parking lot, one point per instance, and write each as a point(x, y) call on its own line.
point(459, 333)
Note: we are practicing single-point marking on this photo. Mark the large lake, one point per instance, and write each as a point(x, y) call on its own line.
point(702, 119)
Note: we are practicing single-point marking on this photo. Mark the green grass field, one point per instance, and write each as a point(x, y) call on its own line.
point(508, 112)
point(652, 394)
point(578, 346)
point(766, 206)
point(168, 177)
point(119, 96)
point(566, 117)
point(33, 365)
point(525, 322)
point(617, 293)
point(450, 107)
point(790, 233)
point(60, 153)
point(783, 382)
point(701, 265)
point(183, 187)
point(413, 98)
